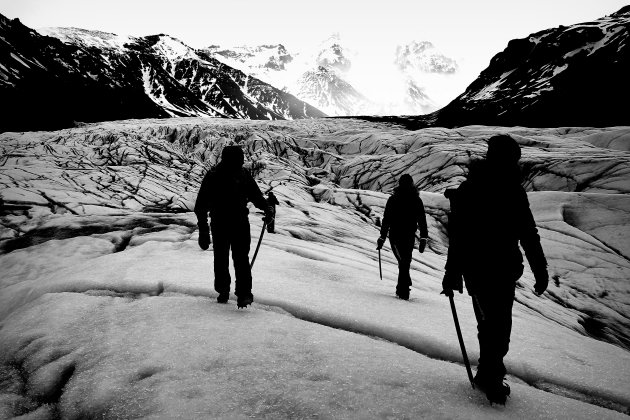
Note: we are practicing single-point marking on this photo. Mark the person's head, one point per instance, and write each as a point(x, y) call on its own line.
point(232, 157)
point(406, 181)
point(503, 150)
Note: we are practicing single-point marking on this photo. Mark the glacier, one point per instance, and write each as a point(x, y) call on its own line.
point(107, 306)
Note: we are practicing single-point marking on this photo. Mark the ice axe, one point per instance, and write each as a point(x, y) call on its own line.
point(459, 336)
point(262, 232)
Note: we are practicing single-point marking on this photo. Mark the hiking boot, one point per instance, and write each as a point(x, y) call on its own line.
point(402, 294)
point(223, 297)
point(243, 302)
point(498, 393)
point(481, 381)
point(496, 390)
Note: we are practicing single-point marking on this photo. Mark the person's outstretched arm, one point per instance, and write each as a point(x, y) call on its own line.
point(202, 206)
point(422, 225)
point(256, 196)
point(530, 240)
point(385, 224)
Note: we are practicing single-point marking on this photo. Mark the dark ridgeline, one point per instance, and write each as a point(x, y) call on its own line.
point(575, 76)
point(47, 84)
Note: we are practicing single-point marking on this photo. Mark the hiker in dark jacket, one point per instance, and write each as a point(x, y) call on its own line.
point(489, 216)
point(225, 192)
point(404, 214)
point(273, 202)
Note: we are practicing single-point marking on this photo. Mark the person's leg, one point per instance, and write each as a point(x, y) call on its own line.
point(483, 334)
point(221, 250)
point(493, 310)
point(403, 248)
point(503, 326)
point(241, 241)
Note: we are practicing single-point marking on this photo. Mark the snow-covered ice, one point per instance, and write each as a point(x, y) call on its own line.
point(107, 307)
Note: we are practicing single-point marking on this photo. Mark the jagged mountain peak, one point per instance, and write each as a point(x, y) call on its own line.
point(335, 96)
point(332, 53)
point(263, 57)
point(423, 57)
point(87, 37)
point(171, 48)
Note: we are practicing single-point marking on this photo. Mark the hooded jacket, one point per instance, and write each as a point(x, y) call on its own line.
point(225, 192)
point(404, 214)
point(489, 217)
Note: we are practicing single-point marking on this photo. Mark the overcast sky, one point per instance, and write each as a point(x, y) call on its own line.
point(471, 31)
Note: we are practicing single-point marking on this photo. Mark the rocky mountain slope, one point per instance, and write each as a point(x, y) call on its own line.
point(76, 75)
point(564, 76)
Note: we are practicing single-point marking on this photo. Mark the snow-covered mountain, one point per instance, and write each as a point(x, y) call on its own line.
point(423, 57)
point(323, 86)
point(317, 77)
point(107, 306)
point(566, 76)
point(70, 74)
point(273, 57)
point(340, 81)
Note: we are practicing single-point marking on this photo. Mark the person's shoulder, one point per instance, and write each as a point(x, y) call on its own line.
point(245, 174)
point(210, 173)
point(520, 192)
point(451, 193)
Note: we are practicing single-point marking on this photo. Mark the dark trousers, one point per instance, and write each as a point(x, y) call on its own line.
point(493, 310)
point(403, 248)
point(233, 235)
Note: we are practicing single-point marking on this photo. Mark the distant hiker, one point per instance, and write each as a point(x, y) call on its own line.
point(404, 214)
point(225, 192)
point(272, 201)
point(489, 216)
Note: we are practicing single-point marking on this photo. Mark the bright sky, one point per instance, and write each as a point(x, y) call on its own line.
point(472, 32)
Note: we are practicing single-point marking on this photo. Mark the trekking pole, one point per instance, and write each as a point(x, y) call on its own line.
point(461, 341)
point(380, 270)
point(262, 232)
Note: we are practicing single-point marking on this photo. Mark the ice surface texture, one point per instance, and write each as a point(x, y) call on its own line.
point(107, 307)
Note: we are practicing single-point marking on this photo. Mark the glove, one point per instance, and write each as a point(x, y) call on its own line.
point(204, 237)
point(379, 243)
point(269, 218)
point(452, 281)
point(542, 281)
point(422, 245)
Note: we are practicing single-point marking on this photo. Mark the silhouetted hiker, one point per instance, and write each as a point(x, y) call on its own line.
point(225, 192)
point(404, 214)
point(489, 215)
point(272, 201)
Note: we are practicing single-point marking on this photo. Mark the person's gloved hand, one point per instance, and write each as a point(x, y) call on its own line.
point(422, 245)
point(204, 237)
point(452, 281)
point(268, 219)
point(379, 243)
point(542, 280)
